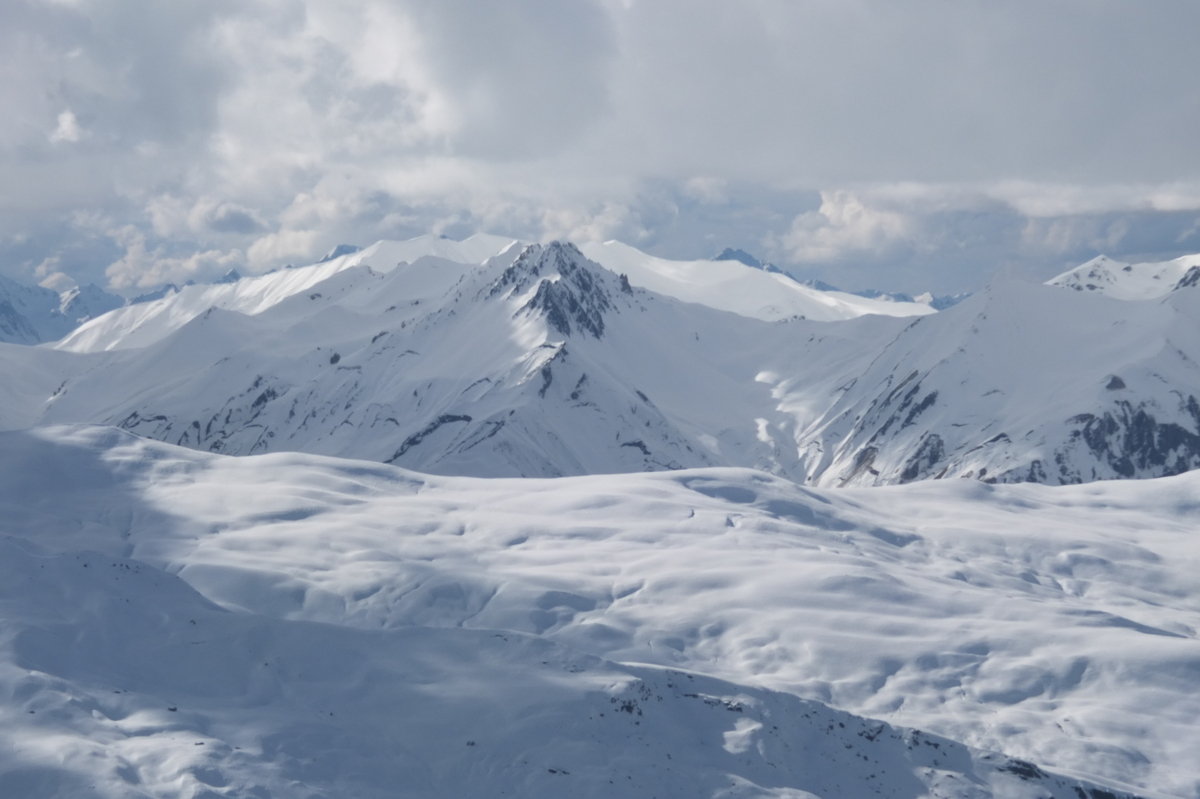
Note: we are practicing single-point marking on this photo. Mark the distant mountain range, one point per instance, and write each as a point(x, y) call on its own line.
point(32, 314)
point(485, 357)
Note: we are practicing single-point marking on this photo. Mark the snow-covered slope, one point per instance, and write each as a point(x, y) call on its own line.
point(30, 377)
point(144, 323)
point(1018, 383)
point(177, 623)
point(729, 285)
point(1122, 281)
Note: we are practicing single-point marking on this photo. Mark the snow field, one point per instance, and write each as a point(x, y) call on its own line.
point(1057, 625)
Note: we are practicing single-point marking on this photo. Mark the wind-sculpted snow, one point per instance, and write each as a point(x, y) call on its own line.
point(179, 623)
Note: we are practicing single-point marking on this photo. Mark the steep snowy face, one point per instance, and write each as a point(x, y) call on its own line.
point(1021, 383)
point(1122, 281)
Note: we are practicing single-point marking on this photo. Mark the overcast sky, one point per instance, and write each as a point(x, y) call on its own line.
point(897, 144)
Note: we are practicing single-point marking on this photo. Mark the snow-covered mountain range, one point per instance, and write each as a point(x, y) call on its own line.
point(491, 358)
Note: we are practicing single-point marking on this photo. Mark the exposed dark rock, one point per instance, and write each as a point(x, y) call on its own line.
point(919, 408)
point(639, 444)
point(930, 451)
point(263, 399)
point(1190, 278)
point(418, 437)
point(1132, 442)
point(577, 297)
point(863, 463)
point(1024, 770)
point(579, 386)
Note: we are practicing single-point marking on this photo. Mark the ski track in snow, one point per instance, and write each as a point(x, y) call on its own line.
point(177, 623)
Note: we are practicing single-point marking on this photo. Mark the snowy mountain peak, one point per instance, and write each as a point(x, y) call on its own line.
point(1125, 281)
point(570, 288)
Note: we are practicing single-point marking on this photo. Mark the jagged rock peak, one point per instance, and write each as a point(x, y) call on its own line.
point(571, 290)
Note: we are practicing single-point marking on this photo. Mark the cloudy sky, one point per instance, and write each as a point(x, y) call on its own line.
point(897, 144)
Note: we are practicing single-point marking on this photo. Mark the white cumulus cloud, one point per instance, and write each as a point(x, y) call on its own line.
point(844, 224)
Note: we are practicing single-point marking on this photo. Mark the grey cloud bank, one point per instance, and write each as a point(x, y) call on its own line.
point(912, 146)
